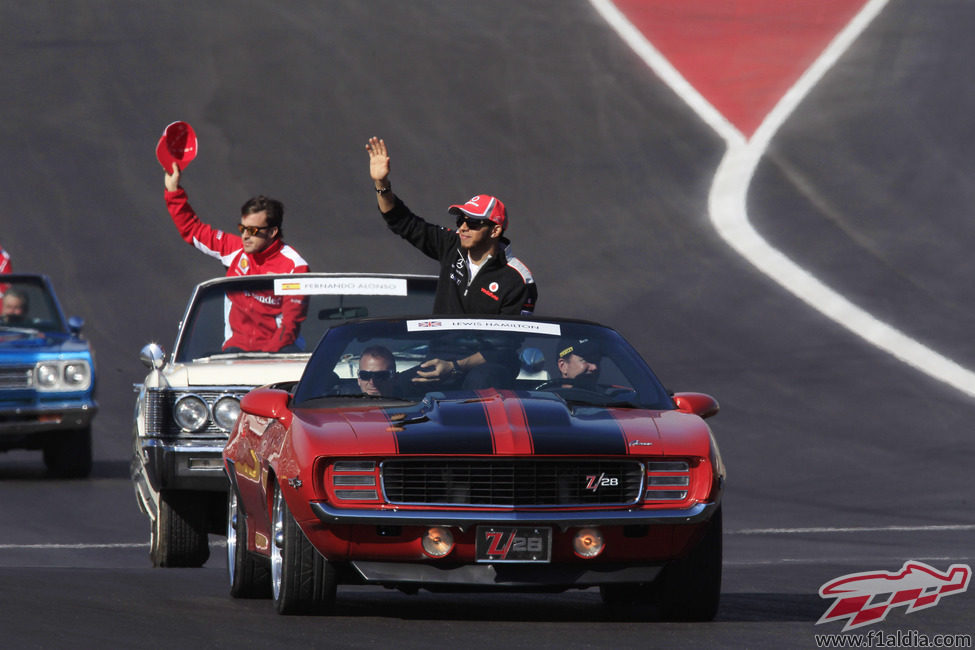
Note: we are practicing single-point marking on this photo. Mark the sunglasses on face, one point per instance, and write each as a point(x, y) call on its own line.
point(251, 230)
point(472, 223)
point(375, 375)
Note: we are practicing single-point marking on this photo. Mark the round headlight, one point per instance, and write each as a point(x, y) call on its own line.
point(225, 412)
point(190, 412)
point(76, 374)
point(47, 375)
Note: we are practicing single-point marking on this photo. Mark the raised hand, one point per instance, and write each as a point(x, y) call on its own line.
point(378, 159)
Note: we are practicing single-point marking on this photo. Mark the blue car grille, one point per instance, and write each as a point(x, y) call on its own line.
point(512, 483)
point(14, 377)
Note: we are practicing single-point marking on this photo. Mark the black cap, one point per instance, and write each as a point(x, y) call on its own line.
point(585, 348)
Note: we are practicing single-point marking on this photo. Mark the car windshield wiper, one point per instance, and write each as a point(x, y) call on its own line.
point(372, 397)
point(26, 331)
point(358, 396)
point(596, 401)
point(254, 355)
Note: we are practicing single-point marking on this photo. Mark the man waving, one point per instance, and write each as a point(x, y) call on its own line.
point(266, 323)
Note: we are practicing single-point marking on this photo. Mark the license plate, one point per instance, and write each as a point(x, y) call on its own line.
point(513, 544)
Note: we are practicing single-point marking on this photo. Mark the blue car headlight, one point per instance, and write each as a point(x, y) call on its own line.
point(62, 375)
point(47, 376)
point(77, 375)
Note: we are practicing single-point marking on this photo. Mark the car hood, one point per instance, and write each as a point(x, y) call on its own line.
point(231, 372)
point(27, 342)
point(500, 423)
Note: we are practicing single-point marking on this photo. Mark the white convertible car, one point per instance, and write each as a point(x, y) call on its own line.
point(190, 400)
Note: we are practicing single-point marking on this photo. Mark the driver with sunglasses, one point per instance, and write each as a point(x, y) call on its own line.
point(265, 323)
point(377, 371)
point(478, 273)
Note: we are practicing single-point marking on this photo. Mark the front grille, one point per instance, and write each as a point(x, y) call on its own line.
point(512, 483)
point(14, 377)
point(159, 410)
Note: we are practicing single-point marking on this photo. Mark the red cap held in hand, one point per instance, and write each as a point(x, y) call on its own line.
point(177, 145)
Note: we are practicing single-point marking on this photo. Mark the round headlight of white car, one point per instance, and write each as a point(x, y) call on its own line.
point(225, 412)
point(190, 412)
point(77, 374)
point(47, 375)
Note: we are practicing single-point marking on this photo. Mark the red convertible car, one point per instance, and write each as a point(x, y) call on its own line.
point(475, 453)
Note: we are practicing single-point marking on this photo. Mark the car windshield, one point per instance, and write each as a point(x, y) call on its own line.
point(28, 304)
point(581, 363)
point(321, 299)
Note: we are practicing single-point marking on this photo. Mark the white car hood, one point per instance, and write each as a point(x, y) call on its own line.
point(233, 372)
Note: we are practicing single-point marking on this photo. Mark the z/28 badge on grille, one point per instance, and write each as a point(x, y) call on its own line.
point(513, 544)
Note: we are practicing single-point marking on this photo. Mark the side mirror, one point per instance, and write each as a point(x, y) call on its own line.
point(699, 404)
point(75, 323)
point(266, 403)
point(153, 356)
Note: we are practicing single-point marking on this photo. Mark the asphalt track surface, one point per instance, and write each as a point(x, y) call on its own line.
point(841, 458)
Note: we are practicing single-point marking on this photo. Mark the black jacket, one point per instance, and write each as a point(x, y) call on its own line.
point(503, 285)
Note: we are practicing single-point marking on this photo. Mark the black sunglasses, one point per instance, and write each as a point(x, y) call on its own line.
point(472, 223)
point(376, 375)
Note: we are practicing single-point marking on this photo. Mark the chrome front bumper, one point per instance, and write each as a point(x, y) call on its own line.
point(503, 575)
point(183, 465)
point(563, 519)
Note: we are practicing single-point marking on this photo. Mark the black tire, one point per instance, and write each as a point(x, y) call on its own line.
point(249, 574)
point(179, 531)
point(689, 589)
point(303, 582)
point(68, 454)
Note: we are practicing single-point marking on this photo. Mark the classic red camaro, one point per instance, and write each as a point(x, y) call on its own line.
point(479, 452)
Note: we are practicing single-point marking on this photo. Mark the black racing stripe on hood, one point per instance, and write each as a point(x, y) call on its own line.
point(555, 430)
point(437, 426)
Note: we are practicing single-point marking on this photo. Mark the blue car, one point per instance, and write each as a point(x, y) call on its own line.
point(47, 377)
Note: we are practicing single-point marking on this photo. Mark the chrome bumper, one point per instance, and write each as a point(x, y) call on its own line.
point(184, 465)
point(562, 519)
point(503, 575)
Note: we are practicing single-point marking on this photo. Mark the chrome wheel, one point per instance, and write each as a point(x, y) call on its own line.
point(249, 572)
point(277, 542)
point(231, 534)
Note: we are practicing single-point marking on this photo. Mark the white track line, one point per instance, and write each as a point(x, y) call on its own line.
point(69, 547)
point(84, 547)
point(874, 559)
point(938, 528)
point(727, 201)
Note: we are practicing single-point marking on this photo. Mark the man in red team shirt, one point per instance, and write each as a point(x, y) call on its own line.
point(264, 323)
